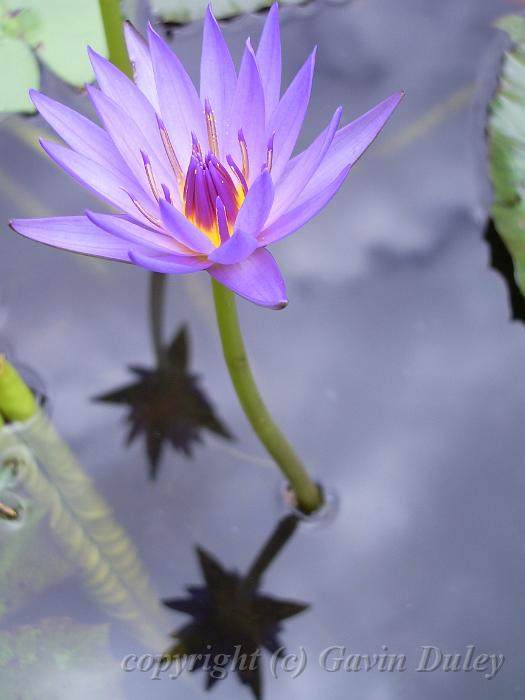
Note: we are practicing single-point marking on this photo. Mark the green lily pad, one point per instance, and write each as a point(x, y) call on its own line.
point(22, 75)
point(184, 11)
point(55, 31)
point(506, 133)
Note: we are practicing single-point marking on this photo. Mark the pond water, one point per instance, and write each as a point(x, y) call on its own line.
point(395, 371)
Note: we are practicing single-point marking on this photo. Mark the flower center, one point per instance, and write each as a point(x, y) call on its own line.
point(210, 197)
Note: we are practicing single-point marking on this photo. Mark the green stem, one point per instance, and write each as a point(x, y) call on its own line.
point(307, 493)
point(156, 301)
point(114, 30)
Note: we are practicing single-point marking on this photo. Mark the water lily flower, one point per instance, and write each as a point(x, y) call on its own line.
point(199, 182)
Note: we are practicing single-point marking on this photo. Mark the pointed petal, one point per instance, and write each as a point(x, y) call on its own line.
point(218, 76)
point(97, 179)
point(236, 249)
point(269, 60)
point(301, 169)
point(288, 118)
point(257, 205)
point(133, 233)
point(302, 213)
point(351, 141)
point(74, 233)
point(131, 141)
point(180, 106)
point(257, 279)
point(248, 113)
point(133, 111)
point(169, 264)
point(140, 58)
point(183, 230)
point(81, 134)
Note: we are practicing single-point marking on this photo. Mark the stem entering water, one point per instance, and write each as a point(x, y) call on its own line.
point(307, 493)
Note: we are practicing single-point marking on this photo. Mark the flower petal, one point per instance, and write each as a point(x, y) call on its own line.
point(257, 279)
point(183, 230)
point(140, 58)
point(95, 178)
point(236, 249)
point(130, 231)
point(248, 114)
point(180, 106)
point(74, 233)
point(288, 118)
point(218, 76)
point(129, 117)
point(300, 170)
point(269, 60)
point(257, 205)
point(81, 134)
point(302, 213)
point(351, 141)
point(170, 264)
point(131, 141)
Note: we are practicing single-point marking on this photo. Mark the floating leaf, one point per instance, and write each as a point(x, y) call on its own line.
point(22, 75)
point(184, 11)
point(57, 31)
point(506, 132)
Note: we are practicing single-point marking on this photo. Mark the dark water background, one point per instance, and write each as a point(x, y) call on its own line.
point(394, 370)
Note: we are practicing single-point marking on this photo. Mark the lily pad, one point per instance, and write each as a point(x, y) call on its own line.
point(184, 11)
point(506, 133)
point(54, 31)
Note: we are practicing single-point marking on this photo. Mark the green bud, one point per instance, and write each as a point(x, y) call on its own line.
point(17, 402)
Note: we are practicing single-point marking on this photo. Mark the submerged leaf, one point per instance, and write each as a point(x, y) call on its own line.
point(30, 562)
point(37, 660)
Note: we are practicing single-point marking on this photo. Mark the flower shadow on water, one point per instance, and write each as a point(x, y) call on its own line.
point(232, 621)
point(167, 405)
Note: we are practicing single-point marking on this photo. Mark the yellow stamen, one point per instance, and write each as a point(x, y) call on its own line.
point(172, 157)
point(143, 211)
point(245, 159)
point(211, 127)
point(151, 180)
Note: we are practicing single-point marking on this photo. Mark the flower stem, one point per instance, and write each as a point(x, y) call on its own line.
point(307, 493)
point(113, 28)
point(156, 300)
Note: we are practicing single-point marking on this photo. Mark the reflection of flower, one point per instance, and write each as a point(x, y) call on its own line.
point(233, 622)
point(200, 183)
point(166, 404)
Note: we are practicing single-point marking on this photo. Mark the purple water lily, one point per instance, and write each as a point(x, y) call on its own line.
point(200, 183)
